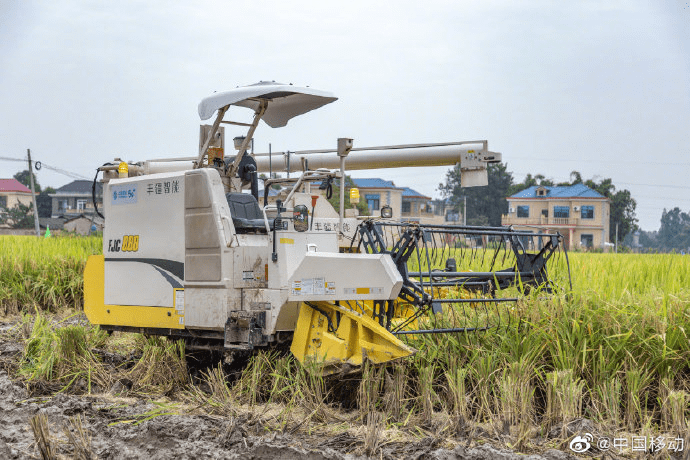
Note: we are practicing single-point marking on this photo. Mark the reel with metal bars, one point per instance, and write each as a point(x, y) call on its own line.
point(460, 278)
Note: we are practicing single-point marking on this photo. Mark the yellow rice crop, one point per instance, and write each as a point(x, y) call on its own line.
point(44, 273)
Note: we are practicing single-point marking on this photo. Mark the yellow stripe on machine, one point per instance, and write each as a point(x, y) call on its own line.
point(355, 338)
point(121, 315)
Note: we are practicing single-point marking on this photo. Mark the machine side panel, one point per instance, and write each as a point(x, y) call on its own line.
point(143, 241)
point(334, 276)
point(209, 237)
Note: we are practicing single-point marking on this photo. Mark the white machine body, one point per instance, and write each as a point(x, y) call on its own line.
point(186, 245)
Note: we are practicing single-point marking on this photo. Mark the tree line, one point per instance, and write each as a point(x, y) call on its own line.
point(673, 234)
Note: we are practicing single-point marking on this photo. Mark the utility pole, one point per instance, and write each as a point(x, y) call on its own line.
point(33, 193)
point(616, 238)
point(464, 211)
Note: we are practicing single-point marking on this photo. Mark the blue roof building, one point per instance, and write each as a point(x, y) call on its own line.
point(407, 204)
point(560, 191)
point(579, 213)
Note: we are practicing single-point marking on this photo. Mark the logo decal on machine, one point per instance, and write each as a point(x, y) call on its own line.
point(128, 243)
point(124, 194)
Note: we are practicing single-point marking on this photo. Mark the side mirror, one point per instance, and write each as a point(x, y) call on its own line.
point(386, 212)
point(300, 218)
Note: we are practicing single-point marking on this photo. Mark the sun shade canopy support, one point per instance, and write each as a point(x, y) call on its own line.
point(275, 103)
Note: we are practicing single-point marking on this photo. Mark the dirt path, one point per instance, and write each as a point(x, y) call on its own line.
point(137, 428)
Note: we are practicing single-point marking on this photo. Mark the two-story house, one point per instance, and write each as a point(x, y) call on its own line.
point(408, 204)
point(580, 214)
point(421, 208)
point(75, 199)
point(377, 193)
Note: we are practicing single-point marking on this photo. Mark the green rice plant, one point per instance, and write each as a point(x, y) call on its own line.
point(607, 402)
point(395, 391)
point(255, 384)
point(221, 395)
point(564, 396)
point(427, 397)
point(282, 379)
point(484, 366)
point(63, 355)
point(161, 368)
point(369, 393)
point(516, 398)
point(678, 401)
point(456, 378)
point(636, 382)
point(216, 396)
point(312, 392)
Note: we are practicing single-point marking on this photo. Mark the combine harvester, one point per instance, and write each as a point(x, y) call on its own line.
point(190, 253)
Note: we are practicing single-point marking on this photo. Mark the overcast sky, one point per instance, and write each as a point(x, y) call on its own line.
point(601, 87)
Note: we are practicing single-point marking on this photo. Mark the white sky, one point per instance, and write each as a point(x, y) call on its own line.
point(602, 87)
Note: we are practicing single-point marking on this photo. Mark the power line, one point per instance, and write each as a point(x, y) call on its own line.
point(40, 165)
point(657, 185)
point(11, 159)
point(602, 162)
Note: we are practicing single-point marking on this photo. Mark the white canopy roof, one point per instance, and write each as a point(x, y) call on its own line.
point(285, 101)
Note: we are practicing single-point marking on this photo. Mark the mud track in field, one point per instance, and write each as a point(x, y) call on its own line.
point(124, 428)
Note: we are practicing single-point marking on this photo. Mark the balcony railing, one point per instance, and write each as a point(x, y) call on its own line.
point(545, 221)
point(418, 214)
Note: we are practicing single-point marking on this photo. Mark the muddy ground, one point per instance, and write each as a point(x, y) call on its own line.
point(115, 427)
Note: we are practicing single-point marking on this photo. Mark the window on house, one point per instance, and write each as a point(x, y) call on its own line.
point(81, 204)
point(561, 211)
point(452, 216)
point(3, 202)
point(587, 240)
point(545, 212)
point(523, 211)
point(63, 205)
point(373, 202)
point(587, 212)
point(406, 206)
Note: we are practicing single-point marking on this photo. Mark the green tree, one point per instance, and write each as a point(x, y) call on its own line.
point(45, 203)
point(674, 232)
point(19, 216)
point(485, 205)
point(649, 240)
point(622, 213)
point(530, 181)
point(623, 206)
point(23, 177)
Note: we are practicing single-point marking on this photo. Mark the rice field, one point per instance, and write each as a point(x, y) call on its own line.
point(43, 273)
point(615, 350)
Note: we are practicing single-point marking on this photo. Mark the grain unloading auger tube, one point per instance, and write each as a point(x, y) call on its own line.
point(190, 252)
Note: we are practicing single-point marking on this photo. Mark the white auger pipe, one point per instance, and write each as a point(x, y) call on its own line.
point(472, 156)
point(380, 159)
